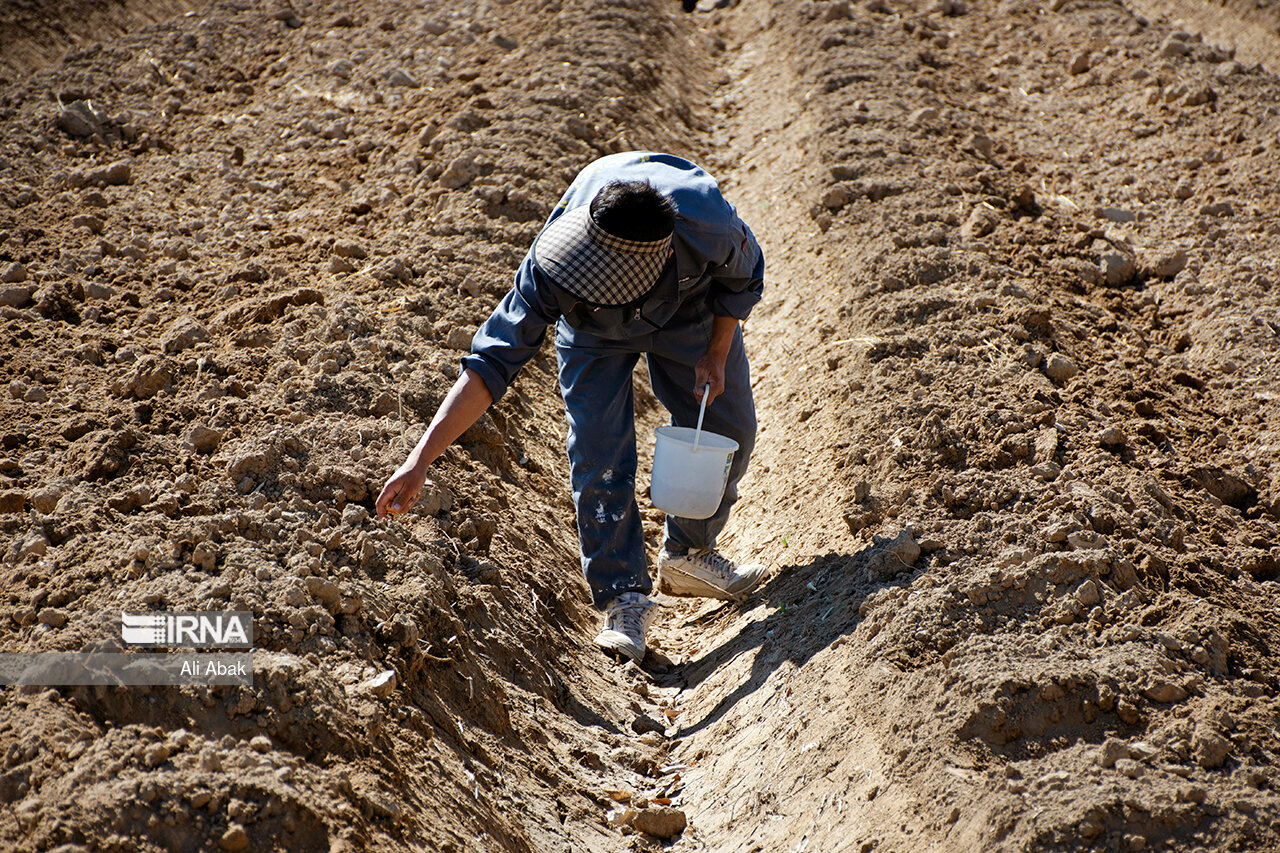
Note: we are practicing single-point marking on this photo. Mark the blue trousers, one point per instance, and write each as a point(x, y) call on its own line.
point(596, 383)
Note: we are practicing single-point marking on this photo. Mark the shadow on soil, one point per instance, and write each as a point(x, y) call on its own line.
point(817, 603)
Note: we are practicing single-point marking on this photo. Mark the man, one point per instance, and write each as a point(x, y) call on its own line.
point(642, 255)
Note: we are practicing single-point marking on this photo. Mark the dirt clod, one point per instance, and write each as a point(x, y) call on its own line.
point(660, 821)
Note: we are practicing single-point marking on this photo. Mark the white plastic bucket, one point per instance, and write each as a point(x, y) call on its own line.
point(689, 483)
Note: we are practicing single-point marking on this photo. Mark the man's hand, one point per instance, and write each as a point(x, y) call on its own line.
point(710, 368)
point(466, 402)
point(401, 491)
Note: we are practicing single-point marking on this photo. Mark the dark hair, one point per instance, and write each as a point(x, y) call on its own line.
point(633, 210)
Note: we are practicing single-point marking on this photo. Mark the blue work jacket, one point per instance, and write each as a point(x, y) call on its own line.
point(715, 260)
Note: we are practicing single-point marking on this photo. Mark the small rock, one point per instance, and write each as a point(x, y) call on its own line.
point(1059, 532)
point(1087, 593)
point(1047, 471)
point(350, 249)
point(1200, 95)
point(1192, 794)
point(381, 685)
point(1118, 269)
point(205, 556)
point(201, 438)
point(45, 499)
point(183, 334)
point(13, 501)
point(1128, 711)
point(260, 743)
point(983, 145)
point(1053, 780)
point(1167, 265)
point(1116, 214)
point(1165, 692)
point(16, 297)
point(325, 590)
point(1140, 750)
point(660, 821)
point(1087, 272)
point(836, 197)
point(53, 617)
point(1209, 748)
point(13, 274)
point(98, 290)
point(1059, 368)
point(156, 754)
point(79, 118)
point(459, 173)
point(339, 265)
point(150, 374)
point(644, 723)
point(235, 838)
point(1111, 751)
point(1080, 63)
point(287, 16)
point(399, 77)
point(982, 220)
point(1111, 437)
point(924, 115)
point(1217, 208)
point(118, 173)
point(1130, 768)
point(1090, 826)
point(1223, 485)
point(622, 816)
point(473, 285)
point(88, 221)
point(1174, 46)
point(459, 338)
point(36, 394)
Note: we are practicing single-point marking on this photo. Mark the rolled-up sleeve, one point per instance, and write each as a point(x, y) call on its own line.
point(738, 283)
point(514, 332)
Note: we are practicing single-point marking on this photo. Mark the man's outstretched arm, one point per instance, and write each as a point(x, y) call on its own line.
point(466, 402)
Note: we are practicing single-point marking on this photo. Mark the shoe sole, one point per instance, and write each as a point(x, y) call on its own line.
point(619, 651)
point(701, 589)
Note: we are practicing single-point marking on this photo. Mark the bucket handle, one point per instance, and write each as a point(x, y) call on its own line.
point(702, 411)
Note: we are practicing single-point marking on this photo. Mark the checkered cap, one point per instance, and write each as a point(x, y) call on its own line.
point(595, 266)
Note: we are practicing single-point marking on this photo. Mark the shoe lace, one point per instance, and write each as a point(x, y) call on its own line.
point(627, 615)
point(717, 562)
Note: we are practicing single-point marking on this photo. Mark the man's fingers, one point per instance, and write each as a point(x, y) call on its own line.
point(717, 388)
point(389, 493)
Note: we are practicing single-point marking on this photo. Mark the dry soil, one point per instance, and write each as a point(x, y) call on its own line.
point(1017, 377)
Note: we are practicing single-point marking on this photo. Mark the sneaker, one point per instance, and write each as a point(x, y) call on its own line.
point(707, 574)
point(626, 619)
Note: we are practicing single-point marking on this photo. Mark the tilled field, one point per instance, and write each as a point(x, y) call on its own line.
point(1016, 371)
